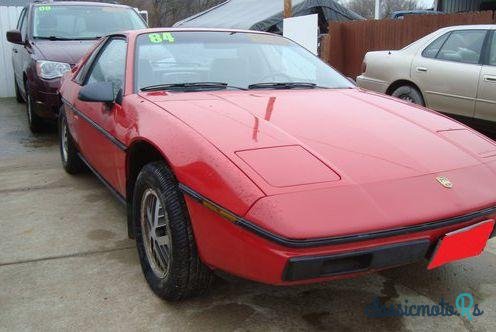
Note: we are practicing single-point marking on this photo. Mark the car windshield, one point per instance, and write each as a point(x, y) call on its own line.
point(225, 60)
point(82, 22)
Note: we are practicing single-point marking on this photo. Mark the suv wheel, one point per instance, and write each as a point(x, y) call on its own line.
point(19, 98)
point(410, 94)
point(164, 237)
point(34, 121)
point(68, 152)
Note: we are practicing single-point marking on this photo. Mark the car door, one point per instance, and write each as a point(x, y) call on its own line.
point(96, 125)
point(19, 50)
point(447, 71)
point(485, 107)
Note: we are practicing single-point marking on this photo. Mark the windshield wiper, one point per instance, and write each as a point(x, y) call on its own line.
point(283, 85)
point(190, 86)
point(52, 38)
point(66, 38)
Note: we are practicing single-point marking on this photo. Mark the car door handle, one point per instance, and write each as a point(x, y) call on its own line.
point(14, 50)
point(489, 78)
point(421, 69)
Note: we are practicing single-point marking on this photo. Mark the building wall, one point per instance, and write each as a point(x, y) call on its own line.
point(455, 6)
point(8, 20)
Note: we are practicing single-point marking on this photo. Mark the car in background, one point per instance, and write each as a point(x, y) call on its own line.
point(242, 152)
point(452, 70)
point(399, 15)
point(49, 39)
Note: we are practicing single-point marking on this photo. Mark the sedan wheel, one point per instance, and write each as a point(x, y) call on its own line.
point(409, 94)
point(68, 152)
point(34, 121)
point(156, 234)
point(164, 236)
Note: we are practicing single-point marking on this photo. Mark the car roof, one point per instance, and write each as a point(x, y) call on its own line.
point(469, 27)
point(78, 3)
point(132, 33)
point(417, 11)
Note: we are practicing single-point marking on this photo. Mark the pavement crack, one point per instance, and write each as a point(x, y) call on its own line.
point(81, 254)
point(43, 187)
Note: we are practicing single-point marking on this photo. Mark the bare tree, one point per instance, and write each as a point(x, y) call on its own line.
point(365, 8)
point(164, 13)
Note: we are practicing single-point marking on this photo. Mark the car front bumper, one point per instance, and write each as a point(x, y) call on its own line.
point(232, 248)
point(46, 99)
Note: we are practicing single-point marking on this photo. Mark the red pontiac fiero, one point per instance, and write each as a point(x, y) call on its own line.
point(242, 152)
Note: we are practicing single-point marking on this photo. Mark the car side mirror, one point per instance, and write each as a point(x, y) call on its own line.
point(14, 37)
point(102, 92)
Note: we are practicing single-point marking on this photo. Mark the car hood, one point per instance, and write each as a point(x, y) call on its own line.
point(346, 146)
point(68, 51)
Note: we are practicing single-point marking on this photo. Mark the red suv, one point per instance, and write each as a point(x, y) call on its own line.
point(49, 39)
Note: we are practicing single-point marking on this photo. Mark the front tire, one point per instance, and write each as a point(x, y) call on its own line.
point(68, 152)
point(35, 122)
point(410, 94)
point(164, 237)
point(19, 98)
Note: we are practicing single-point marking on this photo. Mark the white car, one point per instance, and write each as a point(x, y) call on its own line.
point(452, 70)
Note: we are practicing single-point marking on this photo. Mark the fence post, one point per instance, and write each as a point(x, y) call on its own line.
point(336, 52)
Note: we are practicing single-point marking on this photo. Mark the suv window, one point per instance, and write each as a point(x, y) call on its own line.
point(432, 50)
point(463, 46)
point(110, 66)
point(492, 52)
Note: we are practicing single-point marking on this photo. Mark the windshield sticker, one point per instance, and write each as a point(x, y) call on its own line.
point(44, 8)
point(157, 38)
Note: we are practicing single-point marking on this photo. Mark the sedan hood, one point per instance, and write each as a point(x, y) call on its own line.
point(325, 142)
point(361, 136)
point(68, 51)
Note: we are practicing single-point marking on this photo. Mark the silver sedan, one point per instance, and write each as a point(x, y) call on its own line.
point(452, 70)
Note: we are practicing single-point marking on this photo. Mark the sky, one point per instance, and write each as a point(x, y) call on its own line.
point(426, 3)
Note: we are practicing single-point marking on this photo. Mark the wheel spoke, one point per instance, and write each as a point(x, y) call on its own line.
point(156, 233)
point(162, 254)
point(156, 213)
point(163, 238)
point(149, 217)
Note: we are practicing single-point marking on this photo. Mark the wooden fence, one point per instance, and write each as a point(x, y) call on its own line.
point(347, 42)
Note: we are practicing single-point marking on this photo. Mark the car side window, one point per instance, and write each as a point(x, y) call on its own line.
point(492, 51)
point(463, 46)
point(432, 50)
point(80, 77)
point(110, 66)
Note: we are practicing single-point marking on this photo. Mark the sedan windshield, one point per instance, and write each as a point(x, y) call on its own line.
point(82, 22)
point(191, 61)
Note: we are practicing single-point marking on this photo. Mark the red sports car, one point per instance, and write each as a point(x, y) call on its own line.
point(241, 152)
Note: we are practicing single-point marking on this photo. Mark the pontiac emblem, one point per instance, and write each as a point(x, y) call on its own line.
point(445, 182)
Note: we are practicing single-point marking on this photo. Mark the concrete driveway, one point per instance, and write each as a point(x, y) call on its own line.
point(66, 263)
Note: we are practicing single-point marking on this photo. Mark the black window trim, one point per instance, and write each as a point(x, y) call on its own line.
point(486, 49)
point(85, 67)
point(479, 63)
point(21, 18)
point(448, 34)
point(99, 52)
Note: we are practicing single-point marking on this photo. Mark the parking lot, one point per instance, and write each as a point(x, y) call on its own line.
point(66, 263)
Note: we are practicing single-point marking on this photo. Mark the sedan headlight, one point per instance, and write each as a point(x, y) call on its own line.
point(51, 69)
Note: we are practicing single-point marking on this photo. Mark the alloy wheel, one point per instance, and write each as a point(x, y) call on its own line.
point(156, 233)
point(64, 136)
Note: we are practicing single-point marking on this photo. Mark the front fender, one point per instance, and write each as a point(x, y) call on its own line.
point(195, 162)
